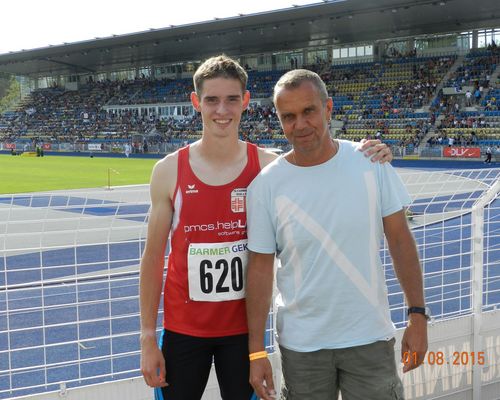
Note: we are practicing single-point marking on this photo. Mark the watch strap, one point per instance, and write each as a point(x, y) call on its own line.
point(418, 310)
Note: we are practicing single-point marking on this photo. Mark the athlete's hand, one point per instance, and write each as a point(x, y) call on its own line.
point(261, 379)
point(152, 363)
point(377, 150)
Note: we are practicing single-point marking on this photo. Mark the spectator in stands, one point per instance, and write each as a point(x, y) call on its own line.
point(468, 98)
point(60, 114)
point(477, 95)
point(204, 320)
point(316, 209)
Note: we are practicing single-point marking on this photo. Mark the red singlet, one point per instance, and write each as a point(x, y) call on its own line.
point(208, 239)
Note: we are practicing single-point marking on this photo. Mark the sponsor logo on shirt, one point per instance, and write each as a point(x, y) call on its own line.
point(223, 228)
point(191, 189)
point(238, 200)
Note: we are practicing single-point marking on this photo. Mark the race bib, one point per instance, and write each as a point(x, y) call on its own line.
point(216, 271)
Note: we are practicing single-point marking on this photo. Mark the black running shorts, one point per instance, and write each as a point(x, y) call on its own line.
point(188, 360)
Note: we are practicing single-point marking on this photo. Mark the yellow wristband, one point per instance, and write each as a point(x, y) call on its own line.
point(257, 355)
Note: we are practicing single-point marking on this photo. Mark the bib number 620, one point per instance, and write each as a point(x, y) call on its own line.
point(223, 285)
point(216, 271)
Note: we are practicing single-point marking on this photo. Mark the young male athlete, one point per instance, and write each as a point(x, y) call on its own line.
point(198, 198)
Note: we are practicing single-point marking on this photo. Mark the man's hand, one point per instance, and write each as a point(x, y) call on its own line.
point(261, 379)
point(152, 362)
point(377, 150)
point(414, 342)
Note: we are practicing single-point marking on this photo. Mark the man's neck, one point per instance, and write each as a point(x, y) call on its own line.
point(320, 156)
point(218, 161)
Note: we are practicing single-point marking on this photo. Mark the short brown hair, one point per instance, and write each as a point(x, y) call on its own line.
point(219, 67)
point(294, 78)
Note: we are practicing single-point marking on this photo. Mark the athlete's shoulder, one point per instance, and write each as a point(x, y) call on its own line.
point(266, 156)
point(168, 163)
point(164, 175)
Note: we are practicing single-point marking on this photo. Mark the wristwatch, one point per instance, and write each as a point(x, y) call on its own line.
point(425, 311)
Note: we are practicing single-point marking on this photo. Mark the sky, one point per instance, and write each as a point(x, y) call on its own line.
point(32, 24)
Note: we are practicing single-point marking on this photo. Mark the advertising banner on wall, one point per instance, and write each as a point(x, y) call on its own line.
point(462, 152)
point(94, 146)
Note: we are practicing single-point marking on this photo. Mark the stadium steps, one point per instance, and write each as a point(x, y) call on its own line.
point(335, 127)
point(458, 62)
point(494, 75)
point(432, 131)
point(492, 82)
point(16, 105)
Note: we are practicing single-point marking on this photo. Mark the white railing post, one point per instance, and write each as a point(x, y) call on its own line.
point(477, 292)
point(477, 222)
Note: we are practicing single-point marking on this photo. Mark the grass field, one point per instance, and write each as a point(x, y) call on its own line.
point(35, 174)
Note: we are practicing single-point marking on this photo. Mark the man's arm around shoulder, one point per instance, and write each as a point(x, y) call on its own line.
point(373, 149)
point(163, 180)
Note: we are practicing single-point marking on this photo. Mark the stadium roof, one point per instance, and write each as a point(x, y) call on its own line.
point(320, 24)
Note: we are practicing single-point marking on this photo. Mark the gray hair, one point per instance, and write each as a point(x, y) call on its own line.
point(294, 78)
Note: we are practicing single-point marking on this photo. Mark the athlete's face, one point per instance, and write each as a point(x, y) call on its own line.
point(304, 117)
point(221, 103)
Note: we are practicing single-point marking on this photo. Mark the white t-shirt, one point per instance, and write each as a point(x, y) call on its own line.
point(325, 225)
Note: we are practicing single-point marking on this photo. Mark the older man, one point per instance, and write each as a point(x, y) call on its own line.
point(323, 210)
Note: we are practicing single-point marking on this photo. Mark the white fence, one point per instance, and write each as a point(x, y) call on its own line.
point(69, 318)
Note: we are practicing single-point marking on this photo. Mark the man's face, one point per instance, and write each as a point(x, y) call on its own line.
point(304, 118)
point(221, 103)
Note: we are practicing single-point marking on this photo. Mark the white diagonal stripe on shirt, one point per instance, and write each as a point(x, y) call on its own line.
point(287, 208)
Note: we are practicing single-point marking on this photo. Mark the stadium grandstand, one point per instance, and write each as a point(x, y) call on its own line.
point(422, 76)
